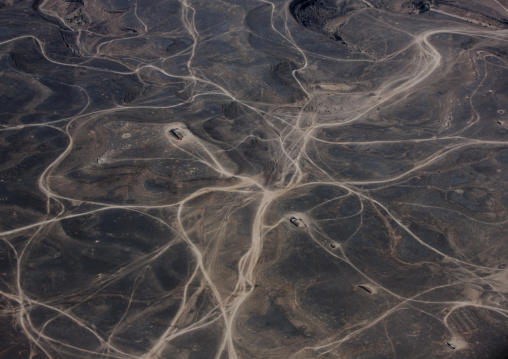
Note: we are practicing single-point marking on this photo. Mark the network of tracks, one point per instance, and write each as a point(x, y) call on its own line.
point(295, 138)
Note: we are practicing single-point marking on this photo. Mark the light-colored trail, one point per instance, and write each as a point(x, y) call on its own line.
point(293, 138)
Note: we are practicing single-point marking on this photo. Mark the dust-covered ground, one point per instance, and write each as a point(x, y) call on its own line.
point(253, 179)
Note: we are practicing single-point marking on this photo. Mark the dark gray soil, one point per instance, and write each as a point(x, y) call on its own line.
point(253, 179)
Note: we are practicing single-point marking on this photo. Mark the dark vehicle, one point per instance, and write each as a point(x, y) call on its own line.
point(297, 222)
point(177, 134)
point(451, 345)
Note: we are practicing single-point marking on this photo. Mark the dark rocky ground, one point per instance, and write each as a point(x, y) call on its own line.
point(381, 125)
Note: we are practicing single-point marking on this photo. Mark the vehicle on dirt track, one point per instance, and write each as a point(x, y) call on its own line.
point(297, 222)
point(177, 134)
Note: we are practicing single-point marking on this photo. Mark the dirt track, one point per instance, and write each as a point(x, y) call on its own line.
point(380, 124)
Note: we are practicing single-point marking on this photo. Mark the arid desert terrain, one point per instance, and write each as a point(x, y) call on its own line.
point(253, 179)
